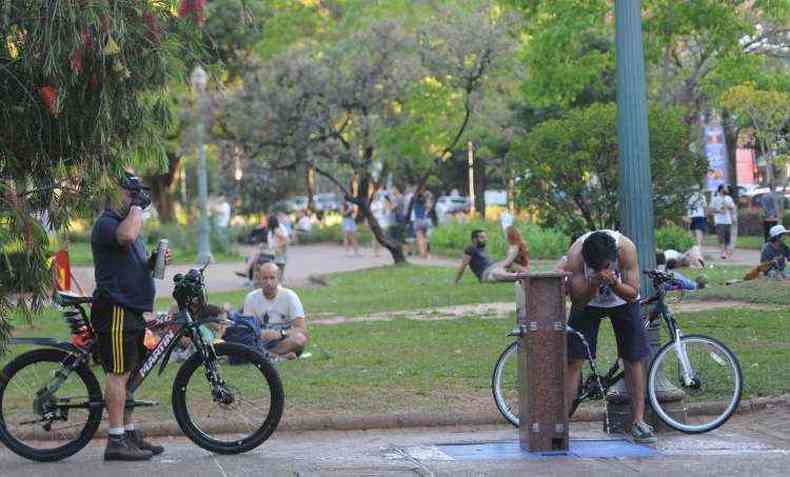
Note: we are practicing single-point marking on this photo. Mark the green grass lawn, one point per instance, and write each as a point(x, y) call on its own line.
point(403, 365)
point(388, 288)
point(444, 366)
point(80, 255)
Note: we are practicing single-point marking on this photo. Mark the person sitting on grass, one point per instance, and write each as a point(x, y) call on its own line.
point(485, 268)
point(776, 253)
point(280, 313)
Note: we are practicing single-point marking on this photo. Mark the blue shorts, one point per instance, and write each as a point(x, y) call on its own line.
point(349, 225)
point(698, 223)
point(629, 331)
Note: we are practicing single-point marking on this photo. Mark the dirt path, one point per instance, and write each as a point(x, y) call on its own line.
point(498, 310)
point(303, 261)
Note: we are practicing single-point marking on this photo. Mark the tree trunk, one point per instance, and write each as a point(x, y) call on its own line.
point(162, 189)
point(363, 194)
point(395, 248)
point(480, 187)
point(310, 182)
point(731, 132)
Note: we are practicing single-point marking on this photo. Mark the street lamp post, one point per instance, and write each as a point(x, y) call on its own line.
point(199, 80)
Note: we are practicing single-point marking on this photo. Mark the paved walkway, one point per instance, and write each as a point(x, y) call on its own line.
point(751, 444)
point(742, 256)
point(303, 261)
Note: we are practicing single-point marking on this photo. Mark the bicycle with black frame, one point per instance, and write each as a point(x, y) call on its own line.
point(51, 403)
point(697, 367)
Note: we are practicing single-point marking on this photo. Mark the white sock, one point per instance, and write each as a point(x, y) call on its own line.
point(129, 427)
point(116, 431)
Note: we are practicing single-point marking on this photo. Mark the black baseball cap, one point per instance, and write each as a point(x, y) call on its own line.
point(133, 183)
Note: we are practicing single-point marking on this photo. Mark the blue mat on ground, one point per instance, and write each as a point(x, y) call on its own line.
point(579, 449)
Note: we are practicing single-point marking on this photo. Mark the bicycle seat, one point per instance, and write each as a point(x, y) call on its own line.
point(71, 299)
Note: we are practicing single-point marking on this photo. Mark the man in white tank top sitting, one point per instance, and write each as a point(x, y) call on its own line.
point(604, 282)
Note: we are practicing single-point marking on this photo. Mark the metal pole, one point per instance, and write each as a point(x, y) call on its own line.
point(204, 244)
point(636, 191)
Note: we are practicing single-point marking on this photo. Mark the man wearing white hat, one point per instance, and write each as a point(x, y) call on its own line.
point(777, 253)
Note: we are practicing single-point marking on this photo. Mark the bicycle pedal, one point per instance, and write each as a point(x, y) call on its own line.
point(141, 403)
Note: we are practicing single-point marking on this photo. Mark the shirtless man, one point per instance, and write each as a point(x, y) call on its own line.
point(604, 281)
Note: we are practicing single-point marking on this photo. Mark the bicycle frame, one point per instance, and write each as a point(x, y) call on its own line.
point(615, 374)
point(183, 324)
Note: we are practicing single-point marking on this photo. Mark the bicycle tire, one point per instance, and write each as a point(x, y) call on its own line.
point(505, 400)
point(94, 392)
point(733, 396)
point(187, 420)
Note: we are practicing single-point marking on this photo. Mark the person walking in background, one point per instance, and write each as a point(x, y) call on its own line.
point(696, 213)
point(421, 221)
point(222, 221)
point(277, 238)
point(722, 206)
point(770, 216)
point(733, 229)
point(382, 215)
point(349, 227)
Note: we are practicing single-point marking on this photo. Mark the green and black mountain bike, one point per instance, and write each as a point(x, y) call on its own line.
point(51, 403)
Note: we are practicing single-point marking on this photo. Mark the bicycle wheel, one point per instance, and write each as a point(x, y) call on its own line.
point(716, 385)
point(504, 383)
point(239, 410)
point(24, 403)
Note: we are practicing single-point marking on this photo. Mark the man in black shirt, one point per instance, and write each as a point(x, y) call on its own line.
point(124, 291)
point(475, 256)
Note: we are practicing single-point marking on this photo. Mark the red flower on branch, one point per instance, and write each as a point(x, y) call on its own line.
point(49, 95)
point(193, 8)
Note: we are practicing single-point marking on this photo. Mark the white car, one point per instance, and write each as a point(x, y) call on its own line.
point(449, 204)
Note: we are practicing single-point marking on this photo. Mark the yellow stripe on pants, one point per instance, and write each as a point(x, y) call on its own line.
point(120, 339)
point(112, 339)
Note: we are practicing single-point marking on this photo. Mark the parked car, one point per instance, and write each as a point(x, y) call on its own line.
point(448, 204)
point(327, 202)
point(286, 206)
point(756, 196)
point(300, 202)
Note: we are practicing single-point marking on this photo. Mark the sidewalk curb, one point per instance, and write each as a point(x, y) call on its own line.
point(365, 423)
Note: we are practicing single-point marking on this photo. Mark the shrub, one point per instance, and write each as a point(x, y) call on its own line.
point(674, 237)
point(750, 222)
point(451, 238)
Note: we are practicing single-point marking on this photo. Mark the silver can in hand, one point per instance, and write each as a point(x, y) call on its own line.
point(159, 267)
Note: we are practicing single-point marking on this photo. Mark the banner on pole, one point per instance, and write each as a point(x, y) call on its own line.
point(716, 153)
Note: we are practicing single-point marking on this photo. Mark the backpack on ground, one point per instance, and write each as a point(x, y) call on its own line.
point(245, 330)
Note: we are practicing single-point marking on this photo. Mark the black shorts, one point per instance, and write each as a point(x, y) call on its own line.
point(698, 223)
point(629, 331)
point(723, 232)
point(121, 334)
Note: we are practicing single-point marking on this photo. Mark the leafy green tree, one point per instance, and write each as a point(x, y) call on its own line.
point(331, 109)
point(82, 95)
point(768, 113)
point(569, 167)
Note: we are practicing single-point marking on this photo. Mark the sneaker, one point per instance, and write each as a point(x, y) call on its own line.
point(137, 438)
point(122, 448)
point(643, 433)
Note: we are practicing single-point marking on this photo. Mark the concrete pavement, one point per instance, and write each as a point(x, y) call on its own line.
point(752, 444)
